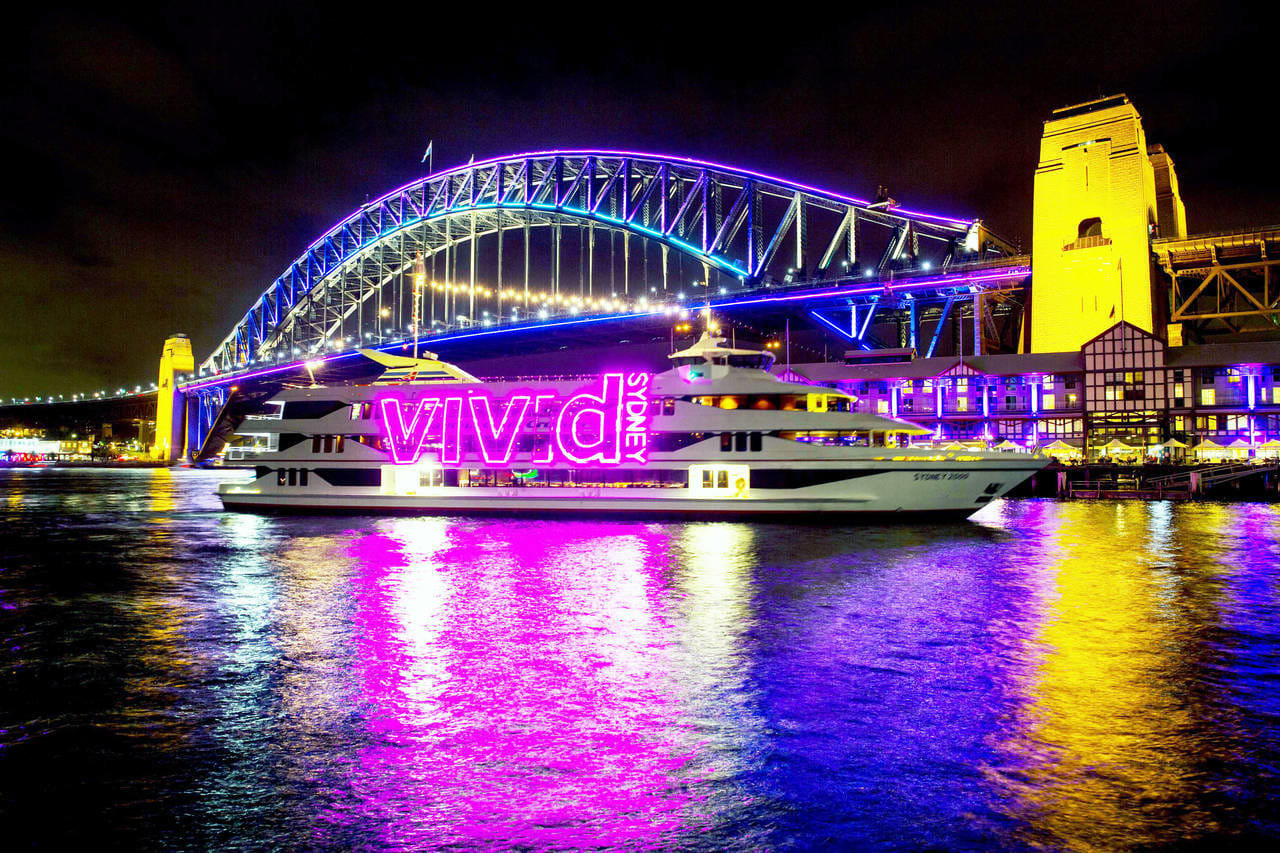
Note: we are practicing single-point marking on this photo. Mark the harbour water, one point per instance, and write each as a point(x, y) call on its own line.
point(1049, 675)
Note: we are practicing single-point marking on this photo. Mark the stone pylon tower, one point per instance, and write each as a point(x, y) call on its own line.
point(1101, 195)
point(175, 358)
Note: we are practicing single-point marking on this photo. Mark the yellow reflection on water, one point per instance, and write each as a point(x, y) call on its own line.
point(1108, 755)
point(159, 613)
point(160, 494)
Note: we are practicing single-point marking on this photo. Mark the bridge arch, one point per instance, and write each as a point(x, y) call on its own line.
point(740, 227)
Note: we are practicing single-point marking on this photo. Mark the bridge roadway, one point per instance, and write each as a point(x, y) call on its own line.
point(845, 311)
point(844, 308)
point(911, 278)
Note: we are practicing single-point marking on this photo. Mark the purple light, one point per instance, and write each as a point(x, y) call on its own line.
point(932, 281)
point(720, 167)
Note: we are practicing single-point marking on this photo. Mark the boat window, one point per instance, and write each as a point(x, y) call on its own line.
point(280, 477)
point(337, 444)
point(706, 478)
point(685, 361)
point(668, 406)
point(722, 479)
point(293, 476)
point(793, 478)
point(328, 444)
point(666, 442)
point(302, 477)
point(311, 408)
point(740, 442)
point(364, 477)
point(762, 361)
point(726, 442)
point(755, 442)
point(315, 444)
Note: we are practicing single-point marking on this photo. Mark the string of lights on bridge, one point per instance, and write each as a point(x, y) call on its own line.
point(86, 396)
point(550, 306)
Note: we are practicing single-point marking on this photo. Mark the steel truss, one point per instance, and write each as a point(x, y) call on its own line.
point(982, 312)
point(740, 227)
point(1223, 280)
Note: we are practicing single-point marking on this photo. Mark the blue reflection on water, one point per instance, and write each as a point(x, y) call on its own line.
point(1054, 675)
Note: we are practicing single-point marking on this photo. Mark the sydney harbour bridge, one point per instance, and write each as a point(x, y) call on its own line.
point(592, 248)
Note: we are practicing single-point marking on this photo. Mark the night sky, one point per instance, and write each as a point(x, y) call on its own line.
point(162, 167)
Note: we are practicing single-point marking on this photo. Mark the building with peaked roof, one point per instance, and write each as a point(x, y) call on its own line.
point(1124, 385)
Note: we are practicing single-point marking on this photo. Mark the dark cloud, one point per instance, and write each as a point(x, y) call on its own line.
point(163, 165)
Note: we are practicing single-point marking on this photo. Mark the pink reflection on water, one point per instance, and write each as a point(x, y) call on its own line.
point(517, 688)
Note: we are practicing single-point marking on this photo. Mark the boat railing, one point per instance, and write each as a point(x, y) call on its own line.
point(543, 377)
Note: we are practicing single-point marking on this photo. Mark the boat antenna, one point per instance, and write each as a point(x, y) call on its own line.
point(419, 279)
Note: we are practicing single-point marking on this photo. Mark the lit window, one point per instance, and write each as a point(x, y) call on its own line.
point(1275, 395)
point(1207, 397)
point(882, 407)
point(1071, 401)
point(962, 404)
point(1047, 382)
point(1049, 402)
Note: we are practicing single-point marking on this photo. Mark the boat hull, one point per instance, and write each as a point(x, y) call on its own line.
point(883, 494)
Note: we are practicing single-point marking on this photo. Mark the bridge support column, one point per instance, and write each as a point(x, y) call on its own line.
point(977, 323)
point(175, 358)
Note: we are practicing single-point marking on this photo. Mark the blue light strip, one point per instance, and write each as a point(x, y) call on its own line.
point(830, 325)
point(336, 231)
point(722, 304)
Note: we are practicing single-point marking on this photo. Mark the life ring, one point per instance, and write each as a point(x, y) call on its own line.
point(741, 485)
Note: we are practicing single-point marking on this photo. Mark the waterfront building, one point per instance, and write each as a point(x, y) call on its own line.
point(1123, 394)
point(1125, 355)
point(1101, 194)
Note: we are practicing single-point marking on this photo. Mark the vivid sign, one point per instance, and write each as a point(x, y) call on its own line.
point(606, 423)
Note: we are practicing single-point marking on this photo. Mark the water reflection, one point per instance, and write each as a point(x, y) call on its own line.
point(514, 687)
point(1053, 675)
point(1128, 731)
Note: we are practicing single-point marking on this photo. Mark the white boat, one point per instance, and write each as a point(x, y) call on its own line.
point(716, 435)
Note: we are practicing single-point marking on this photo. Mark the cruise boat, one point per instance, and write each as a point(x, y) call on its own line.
point(715, 435)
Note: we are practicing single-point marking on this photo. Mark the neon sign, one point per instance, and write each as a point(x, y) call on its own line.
point(605, 424)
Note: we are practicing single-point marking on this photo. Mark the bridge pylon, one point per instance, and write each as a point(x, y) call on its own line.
point(175, 358)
